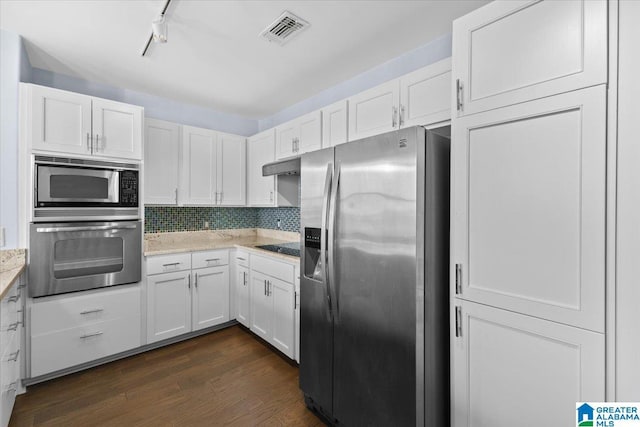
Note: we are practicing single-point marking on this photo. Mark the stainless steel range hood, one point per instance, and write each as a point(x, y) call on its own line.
point(282, 167)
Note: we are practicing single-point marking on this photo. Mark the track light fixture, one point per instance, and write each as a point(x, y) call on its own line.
point(159, 29)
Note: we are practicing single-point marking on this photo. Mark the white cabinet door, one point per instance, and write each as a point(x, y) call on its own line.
point(210, 297)
point(283, 296)
point(198, 185)
point(529, 207)
point(161, 160)
point(334, 124)
point(503, 362)
point(260, 150)
point(513, 51)
point(232, 170)
point(296, 305)
point(374, 111)
point(117, 129)
point(425, 95)
point(168, 305)
point(309, 136)
point(60, 121)
point(242, 295)
point(286, 135)
point(261, 307)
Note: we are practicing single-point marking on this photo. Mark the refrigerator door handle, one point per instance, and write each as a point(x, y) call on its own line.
point(331, 243)
point(323, 235)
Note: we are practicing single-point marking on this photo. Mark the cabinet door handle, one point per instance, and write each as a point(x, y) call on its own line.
point(265, 288)
point(98, 143)
point(458, 321)
point(458, 95)
point(195, 280)
point(268, 288)
point(271, 196)
point(89, 144)
point(95, 334)
point(244, 278)
point(295, 300)
point(401, 115)
point(14, 298)
point(13, 326)
point(394, 116)
point(189, 280)
point(96, 310)
point(293, 145)
point(14, 356)
point(176, 192)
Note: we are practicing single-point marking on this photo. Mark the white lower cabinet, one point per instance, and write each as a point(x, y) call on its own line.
point(210, 297)
point(272, 303)
point(504, 361)
point(242, 285)
point(168, 305)
point(194, 298)
point(69, 330)
point(11, 351)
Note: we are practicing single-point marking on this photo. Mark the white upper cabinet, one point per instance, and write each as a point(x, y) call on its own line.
point(71, 123)
point(60, 120)
point(513, 51)
point(117, 129)
point(425, 95)
point(260, 150)
point(232, 170)
point(502, 359)
point(529, 207)
point(198, 166)
point(422, 97)
point(161, 160)
point(299, 136)
point(334, 124)
point(213, 168)
point(374, 111)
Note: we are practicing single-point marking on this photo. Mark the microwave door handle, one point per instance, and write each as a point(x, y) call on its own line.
point(92, 228)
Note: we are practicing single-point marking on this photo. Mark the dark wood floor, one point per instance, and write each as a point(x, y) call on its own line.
point(223, 378)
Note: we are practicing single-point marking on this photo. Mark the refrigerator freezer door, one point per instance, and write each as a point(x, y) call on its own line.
point(379, 269)
point(316, 329)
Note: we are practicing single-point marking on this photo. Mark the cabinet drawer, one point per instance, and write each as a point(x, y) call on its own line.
point(168, 263)
point(10, 376)
point(10, 318)
point(242, 258)
point(83, 310)
point(210, 258)
point(63, 349)
point(273, 268)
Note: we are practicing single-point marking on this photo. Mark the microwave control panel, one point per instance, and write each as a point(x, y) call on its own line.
point(128, 188)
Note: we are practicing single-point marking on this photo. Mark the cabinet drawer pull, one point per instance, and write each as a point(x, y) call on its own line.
point(171, 264)
point(95, 334)
point(95, 310)
point(212, 259)
point(14, 298)
point(14, 356)
point(240, 258)
point(13, 326)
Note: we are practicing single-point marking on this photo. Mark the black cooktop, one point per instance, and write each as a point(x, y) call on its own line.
point(292, 249)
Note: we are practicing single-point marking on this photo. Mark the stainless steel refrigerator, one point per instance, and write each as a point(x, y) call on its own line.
point(374, 347)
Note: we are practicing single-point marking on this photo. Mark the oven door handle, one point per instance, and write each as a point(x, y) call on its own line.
point(92, 228)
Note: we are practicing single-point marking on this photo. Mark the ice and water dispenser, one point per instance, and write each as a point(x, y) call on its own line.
point(313, 260)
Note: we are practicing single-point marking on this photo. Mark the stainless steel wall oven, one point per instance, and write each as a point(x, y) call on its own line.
point(69, 257)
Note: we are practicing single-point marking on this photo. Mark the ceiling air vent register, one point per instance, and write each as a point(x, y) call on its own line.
point(283, 29)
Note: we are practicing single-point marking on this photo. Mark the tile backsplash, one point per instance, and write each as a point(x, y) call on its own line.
point(174, 218)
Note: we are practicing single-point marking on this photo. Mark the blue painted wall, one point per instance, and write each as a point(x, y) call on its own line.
point(14, 67)
point(422, 56)
point(154, 106)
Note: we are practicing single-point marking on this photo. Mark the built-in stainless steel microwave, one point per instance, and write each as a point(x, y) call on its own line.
point(77, 189)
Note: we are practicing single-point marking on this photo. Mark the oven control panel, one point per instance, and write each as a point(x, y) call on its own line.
point(128, 188)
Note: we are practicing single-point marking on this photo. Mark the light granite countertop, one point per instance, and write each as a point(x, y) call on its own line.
point(192, 241)
point(12, 263)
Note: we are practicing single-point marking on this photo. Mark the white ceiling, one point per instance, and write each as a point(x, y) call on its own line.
point(214, 56)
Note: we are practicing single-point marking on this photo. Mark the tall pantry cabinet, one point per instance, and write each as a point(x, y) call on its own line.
point(528, 210)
